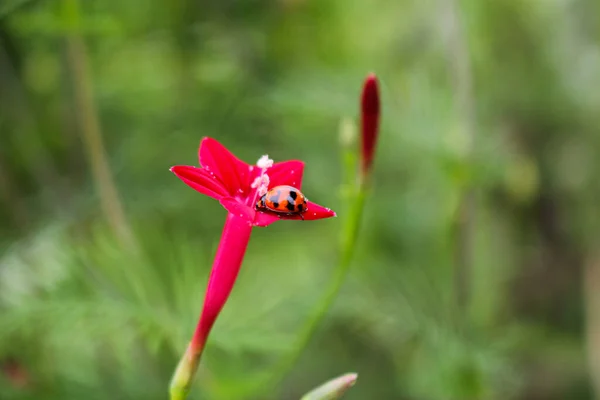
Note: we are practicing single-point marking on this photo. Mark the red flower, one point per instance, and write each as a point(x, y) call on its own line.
point(370, 111)
point(237, 186)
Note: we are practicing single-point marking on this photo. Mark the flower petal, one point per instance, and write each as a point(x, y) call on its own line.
point(254, 217)
point(233, 206)
point(314, 211)
point(215, 158)
point(200, 180)
point(263, 219)
point(286, 173)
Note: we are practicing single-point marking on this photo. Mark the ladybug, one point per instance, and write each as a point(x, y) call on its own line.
point(285, 200)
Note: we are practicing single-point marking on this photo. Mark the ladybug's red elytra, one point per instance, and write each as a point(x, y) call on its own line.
point(283, 199)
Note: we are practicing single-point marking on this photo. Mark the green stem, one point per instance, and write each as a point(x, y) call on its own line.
point(183, 377)
point(89, 123)
point(348, 244)
point(460, 69)
point(10, 198)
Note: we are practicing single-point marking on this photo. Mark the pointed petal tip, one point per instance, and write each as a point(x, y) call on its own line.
point(200, 180)
point(372, 76)
point(177, 169)
point(315, 211)
point(203, 142)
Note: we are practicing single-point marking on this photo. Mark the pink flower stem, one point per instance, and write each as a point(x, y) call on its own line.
point(227, 263)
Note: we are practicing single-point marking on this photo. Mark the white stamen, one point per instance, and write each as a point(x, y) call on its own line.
point(261, 183)
point(264, 162)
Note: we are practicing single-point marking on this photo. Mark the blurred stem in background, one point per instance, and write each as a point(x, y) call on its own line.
point(18, 113)
point(370, 114)
point(89, 124)
point(10, 198)
point(591, 285)
point(462, 81)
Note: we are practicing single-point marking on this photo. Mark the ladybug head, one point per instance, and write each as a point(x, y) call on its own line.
point(261, 202)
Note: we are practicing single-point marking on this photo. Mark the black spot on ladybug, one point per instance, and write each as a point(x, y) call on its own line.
point(275, 204)
point(290, 206)
point(300, 207)
point(293, 195)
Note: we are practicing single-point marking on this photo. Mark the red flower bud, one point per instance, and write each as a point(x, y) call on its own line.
point(370, 111)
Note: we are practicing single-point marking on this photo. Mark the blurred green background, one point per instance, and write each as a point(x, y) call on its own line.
point(476, 274)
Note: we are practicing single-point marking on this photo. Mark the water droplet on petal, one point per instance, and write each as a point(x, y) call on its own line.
point(314, 214)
